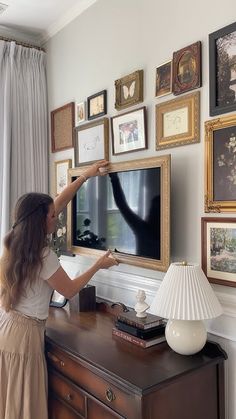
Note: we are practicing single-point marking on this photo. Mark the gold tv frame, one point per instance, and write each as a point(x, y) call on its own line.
point(161, 264)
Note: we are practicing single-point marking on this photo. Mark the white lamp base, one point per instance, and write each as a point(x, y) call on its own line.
point(186, 337)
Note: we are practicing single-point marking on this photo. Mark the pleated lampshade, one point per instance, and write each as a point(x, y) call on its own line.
point(185, 294)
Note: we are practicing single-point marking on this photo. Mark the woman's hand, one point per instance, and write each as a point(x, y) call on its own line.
point(106, 261)
point(97, 169)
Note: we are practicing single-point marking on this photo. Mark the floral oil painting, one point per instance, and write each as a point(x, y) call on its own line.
point(219, 250)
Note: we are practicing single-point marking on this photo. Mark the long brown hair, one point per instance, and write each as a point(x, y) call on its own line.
point(23, 245)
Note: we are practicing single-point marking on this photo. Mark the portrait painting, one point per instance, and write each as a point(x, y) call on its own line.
point(222, 45)
point(80, 113)
point(219, 250)
point(164, 79)
point(187, 68)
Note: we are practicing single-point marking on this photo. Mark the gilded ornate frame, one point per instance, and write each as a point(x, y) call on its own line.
point(168, 113)
point(121, 102)
point(212, 204)
point(161, 264)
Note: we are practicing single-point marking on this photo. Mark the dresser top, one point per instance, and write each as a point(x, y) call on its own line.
point(88, 337)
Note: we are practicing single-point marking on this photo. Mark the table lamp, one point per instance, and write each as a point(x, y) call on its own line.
point(185, 298)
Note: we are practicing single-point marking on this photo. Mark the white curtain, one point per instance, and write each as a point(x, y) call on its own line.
point(23, 126)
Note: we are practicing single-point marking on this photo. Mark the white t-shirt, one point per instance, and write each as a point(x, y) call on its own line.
point(35, 299)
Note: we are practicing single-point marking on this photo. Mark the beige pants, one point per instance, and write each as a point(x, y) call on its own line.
point(23, 373)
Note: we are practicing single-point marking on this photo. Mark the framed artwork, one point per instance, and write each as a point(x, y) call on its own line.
point(62, 126)
point(129, 131)
point(129, 90)
point(92, 142)
point(164, 79)
point(97, 105)
point(80, 112)
point(177, 122)
point(222, 73)
point(220, 164)
point(61, 174)
point(219, 250)
point(187, 68)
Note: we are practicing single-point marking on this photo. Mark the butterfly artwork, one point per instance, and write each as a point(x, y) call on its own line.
point(128, 92)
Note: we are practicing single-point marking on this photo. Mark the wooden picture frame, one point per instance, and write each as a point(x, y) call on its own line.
point(97, 105)
point(220, 164)
point(164, 79)
point(222, 50)
point(187, 68)
point(129, 131)
point(177, 122)
point(61, 174)
point(219, 250)
point(62, 126)
point(92, 142)
point(80, 112)
point(129, 90)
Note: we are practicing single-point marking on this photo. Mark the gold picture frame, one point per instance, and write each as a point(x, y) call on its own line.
point(129, 90)
point(220, 164)
point(177, 122)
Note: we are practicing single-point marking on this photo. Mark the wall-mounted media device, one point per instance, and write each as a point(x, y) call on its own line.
point(126, 211)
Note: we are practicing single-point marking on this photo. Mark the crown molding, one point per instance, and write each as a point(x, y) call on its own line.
point(70, 15)
point(20, 36)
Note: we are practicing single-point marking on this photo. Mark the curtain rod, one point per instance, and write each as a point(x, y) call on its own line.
point(24, 44)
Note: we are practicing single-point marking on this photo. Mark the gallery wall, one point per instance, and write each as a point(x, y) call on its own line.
point(108, 41)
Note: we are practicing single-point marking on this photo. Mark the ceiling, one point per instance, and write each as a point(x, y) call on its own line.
point(40, 18)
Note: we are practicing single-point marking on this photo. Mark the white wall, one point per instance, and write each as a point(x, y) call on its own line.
point(110, 40)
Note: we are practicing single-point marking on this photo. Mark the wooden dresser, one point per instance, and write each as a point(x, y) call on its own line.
point(94, 375)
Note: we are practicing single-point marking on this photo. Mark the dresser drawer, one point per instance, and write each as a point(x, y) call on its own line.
point(67, 391)
point(125, 403)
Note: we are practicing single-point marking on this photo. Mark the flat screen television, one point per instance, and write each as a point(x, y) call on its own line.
point(126, 211)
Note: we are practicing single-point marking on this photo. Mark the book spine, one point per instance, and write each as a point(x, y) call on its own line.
point(140, 325)
point(128, 338)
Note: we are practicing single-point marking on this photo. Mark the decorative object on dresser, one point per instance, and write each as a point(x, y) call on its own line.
point(219, 250)
point(129, 131)
point(92, 142)
point(85, 300)
point(164, 79)
point(62, 126)
point(61, 174)
point(91, 374)
point(185, 297)
point(187, 68)
point(129, 90)
point(97, 104)
point(177, 122)
point(141, 306)
point(80, 112)
point(220, 164)
point(222, 47)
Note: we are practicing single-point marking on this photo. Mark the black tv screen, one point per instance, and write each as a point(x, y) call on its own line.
point(120, 212)
point(126, 211)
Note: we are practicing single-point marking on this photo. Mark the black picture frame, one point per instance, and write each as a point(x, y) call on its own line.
point(97, 105)
point(221, 95)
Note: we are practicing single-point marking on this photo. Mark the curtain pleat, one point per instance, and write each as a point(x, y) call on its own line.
point(23, 126)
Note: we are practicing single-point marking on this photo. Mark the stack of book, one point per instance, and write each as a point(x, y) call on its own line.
point(144, 332)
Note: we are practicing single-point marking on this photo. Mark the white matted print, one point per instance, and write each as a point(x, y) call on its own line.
point(129, 131)
point(61, 174)
point(92, 142)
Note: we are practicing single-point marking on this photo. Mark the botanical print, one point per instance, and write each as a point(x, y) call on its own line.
point(225, 164)
point(59, 238)
point(226, 69)
point(61, 175)
point(222, 250)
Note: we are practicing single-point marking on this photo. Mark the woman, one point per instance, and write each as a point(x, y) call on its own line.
point(29, 272)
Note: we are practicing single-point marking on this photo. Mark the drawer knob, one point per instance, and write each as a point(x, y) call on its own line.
point(110, 396)
point(69, 397)
point(55, 359)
